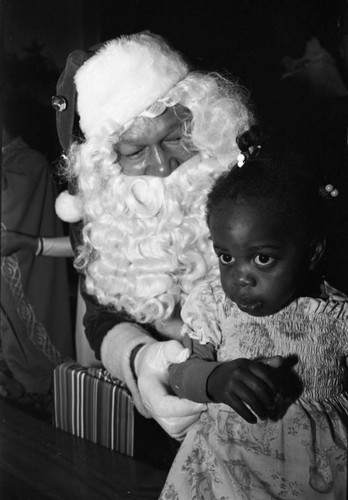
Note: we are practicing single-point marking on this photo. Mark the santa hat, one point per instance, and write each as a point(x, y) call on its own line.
point(112, 83)
point(123, 79)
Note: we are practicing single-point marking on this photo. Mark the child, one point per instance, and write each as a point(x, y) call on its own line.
point(268, 227)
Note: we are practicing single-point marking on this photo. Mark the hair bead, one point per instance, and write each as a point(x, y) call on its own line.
point(329, 191)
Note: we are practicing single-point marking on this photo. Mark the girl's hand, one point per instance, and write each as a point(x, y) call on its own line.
point(244, 383)
point(290, 387)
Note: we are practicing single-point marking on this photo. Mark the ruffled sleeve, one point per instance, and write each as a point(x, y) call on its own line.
point(203, 312)
point(331, 303)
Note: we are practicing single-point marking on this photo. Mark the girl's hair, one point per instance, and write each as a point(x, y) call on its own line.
point(279, 182)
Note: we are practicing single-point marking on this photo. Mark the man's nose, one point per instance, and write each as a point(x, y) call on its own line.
point(160, 163)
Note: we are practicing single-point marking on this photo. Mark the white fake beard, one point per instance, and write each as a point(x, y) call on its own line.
point(151, 244)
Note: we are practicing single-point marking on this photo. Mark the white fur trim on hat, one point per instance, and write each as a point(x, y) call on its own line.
point(68, 207)
point(123, 79)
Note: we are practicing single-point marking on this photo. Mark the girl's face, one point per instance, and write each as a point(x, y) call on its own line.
point(262, 263)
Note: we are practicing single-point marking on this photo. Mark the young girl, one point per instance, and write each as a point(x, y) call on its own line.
point(268, 432)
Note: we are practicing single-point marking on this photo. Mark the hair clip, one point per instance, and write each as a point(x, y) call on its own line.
point(328, 191)
point(250, 153)
point(241, 159)
point(59, 103)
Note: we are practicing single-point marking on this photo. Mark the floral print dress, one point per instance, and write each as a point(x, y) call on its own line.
point(304, 454)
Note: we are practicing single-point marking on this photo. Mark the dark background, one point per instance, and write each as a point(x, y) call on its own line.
point(243, 38)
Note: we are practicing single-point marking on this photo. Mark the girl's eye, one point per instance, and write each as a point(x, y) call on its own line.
point(263, 260)
point(225, 258)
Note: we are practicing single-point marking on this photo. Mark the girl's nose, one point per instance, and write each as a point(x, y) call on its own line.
point(242, 277)
point(160, 163)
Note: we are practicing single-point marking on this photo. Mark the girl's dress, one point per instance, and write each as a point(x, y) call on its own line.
point(304, 454)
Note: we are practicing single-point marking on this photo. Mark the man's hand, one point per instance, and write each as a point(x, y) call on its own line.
point(243, 384)
point(175, 415)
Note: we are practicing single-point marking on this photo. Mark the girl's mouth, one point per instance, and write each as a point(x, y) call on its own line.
point(249, 306)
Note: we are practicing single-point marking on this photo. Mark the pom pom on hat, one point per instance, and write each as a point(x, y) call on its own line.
point(124, 78)
point(68, 207)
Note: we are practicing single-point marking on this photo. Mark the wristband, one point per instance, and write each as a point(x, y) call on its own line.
point(39, 249)
point(132, 359)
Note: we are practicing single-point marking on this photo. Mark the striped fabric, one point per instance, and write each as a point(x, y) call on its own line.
point(91, 404)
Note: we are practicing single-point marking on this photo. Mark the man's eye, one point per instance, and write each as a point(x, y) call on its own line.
point(129, 153)
point(225, 258)
point(173, 140)
point(134, 155)
point(263, 260)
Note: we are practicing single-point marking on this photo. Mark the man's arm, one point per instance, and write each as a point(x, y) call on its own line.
point(114, 336)
point(98, 320)
point(116, 339)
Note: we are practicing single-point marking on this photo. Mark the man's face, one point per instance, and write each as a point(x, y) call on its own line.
point(261, 264)
point(152, 146)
